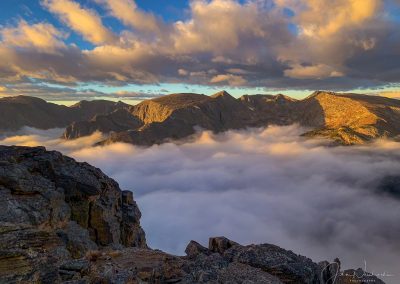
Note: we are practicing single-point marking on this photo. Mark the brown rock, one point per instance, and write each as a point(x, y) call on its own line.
point(220, 244)
point(56, 209)
point(193, 249)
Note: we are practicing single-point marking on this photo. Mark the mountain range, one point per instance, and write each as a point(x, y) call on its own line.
point(342, 117)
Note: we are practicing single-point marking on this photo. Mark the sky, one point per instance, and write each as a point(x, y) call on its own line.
point(68, 50)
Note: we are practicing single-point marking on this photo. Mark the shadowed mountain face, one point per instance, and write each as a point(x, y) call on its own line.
point(344, 118)
point(16, 112)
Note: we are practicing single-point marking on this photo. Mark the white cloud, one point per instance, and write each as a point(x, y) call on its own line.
point(222, 27)
point(129, 13)
point(84, 21)
point(42, 36)
point(312, 72)
point(323, 19)
point(228, 79)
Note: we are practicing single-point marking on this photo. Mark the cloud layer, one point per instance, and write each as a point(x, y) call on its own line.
point(257, 186)
point(306, 44)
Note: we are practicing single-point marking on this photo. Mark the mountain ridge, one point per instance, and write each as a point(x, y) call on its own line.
point(345, 118)
point(19, 111)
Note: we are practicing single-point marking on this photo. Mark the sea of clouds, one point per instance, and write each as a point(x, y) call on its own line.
point(256, 186)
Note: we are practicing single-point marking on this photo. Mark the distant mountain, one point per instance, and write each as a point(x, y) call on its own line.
point(345, 118)
point(351, 118)
point(19, 111)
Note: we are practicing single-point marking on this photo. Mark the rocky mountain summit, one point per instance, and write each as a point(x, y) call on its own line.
point(344, 118)
point(67, 222)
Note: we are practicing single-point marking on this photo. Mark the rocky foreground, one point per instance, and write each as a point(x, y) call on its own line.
point(66, 222)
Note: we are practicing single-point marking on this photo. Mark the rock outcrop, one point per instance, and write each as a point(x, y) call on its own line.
point(67, 222)
point(55, 209)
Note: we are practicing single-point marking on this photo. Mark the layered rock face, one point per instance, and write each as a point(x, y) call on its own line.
point(55, 209)
point(66, 222)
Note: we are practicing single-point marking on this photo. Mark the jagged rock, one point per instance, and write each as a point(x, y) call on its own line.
point(240, 273)
point(76, 239)
point(28, 253)
point(193, 249)
point(55, 209)
point(220, 244)
point(286, 265)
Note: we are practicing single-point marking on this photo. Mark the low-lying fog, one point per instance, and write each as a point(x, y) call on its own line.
point(256, 186)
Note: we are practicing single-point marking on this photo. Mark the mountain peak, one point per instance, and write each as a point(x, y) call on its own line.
point(222, 94)
point(350, 118)
point(283, 98)
point(321, 93)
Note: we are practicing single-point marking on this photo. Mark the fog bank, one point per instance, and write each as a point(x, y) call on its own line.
point(256, 186)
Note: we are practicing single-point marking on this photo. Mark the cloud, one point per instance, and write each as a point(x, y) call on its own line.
point(221, 26)
point(338, 45)
point(339, 15)
point(32, 137)
point(228, 79)
point(183, 72)
point(128, 12)
point(337, 36)
point(84, 21)
point(256, 186)
point(306, 72)
point(42, 36)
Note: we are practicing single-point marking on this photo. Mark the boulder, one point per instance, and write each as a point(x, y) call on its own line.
point(193, 249)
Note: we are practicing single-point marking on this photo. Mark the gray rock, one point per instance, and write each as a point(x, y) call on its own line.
point(286, 265)
point(193, 249)
point(56, 209)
